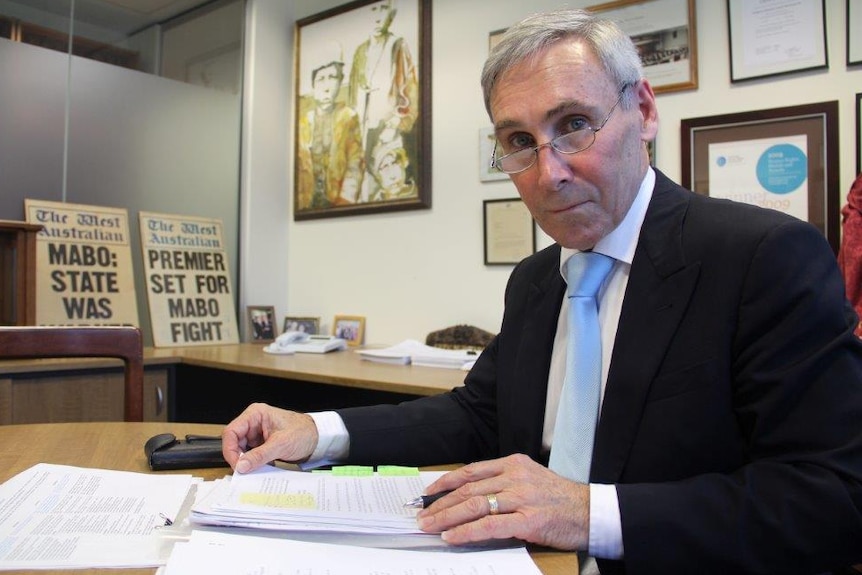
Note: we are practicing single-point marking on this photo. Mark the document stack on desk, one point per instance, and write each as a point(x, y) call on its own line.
point(61, 517)
point(347, 499)
point(411, 351)
point(222, 554)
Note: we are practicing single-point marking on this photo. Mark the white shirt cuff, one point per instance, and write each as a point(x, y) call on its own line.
point(333, 443)
point(606, 532)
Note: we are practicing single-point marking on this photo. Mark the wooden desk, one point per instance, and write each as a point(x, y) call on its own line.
point(211, 384)
point(342, 368)
point(120, 446)
point(215, 383)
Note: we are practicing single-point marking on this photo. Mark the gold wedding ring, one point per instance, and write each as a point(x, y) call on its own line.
point(493, 506)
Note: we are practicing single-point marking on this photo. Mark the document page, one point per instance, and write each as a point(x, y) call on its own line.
point(56, 516)
point(276, 498)
point(218, 553)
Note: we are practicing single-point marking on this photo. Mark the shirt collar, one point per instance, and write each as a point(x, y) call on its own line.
point(620, 244)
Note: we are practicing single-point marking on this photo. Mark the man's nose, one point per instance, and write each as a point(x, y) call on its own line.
point(552, 165)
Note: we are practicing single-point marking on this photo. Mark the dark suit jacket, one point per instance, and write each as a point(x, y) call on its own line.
point(732, 417)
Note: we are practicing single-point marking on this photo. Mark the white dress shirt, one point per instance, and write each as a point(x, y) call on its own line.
point(605, 538)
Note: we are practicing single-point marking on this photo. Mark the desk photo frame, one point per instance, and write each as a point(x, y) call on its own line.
point(350, 328)
point(757, 157)
point(261, 323)
point(363, 70)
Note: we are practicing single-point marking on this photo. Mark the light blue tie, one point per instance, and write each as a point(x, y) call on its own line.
point(574, 432)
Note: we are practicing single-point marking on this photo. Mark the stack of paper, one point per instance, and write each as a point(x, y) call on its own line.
point(280, 499)
point(219, 553)
point(412, 351)
point(61, 517)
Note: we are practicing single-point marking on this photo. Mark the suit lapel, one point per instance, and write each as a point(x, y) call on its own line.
point(659, 287)
point(532, 365)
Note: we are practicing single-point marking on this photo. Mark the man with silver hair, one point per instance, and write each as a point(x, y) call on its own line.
point(728, 437)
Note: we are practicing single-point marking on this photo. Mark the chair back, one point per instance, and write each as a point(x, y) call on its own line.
point(123, 342)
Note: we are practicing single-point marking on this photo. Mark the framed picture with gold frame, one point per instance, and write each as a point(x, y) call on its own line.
point(350, 328)
point(363, 109)
point(665, 33)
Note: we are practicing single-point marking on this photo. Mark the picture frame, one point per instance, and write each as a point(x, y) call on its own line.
point(376, 154)
point(854, 33)
point(509, 231)
point(309, 325)
point(261, 323)
point(785, 37)
point(665, 32)
point(780, 158)
point(350, 328)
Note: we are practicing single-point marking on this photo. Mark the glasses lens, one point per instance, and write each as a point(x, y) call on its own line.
point(516, 161)
point(576, 141)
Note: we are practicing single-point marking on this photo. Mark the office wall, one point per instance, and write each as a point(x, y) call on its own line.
point(413, 272)
point(135, 141)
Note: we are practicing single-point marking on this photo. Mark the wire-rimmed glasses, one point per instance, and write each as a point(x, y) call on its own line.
point(568, 143)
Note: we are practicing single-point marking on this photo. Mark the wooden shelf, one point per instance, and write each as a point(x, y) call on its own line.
point(18, 272)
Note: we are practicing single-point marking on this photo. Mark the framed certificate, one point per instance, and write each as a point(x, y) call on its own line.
point(510, 234)
point(783, 158)
point(772, 37)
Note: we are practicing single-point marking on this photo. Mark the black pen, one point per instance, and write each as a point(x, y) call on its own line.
point(424, 501)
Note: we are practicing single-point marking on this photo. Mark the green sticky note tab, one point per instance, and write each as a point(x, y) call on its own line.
point(352, 471)
point(397, 470)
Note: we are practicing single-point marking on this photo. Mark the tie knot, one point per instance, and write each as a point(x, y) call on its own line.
point(585, 272)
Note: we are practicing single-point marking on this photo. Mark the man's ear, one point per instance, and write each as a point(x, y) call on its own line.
point(648, 110)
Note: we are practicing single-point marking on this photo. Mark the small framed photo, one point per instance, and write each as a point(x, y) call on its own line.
point(261, 322)
point(349, 327)
point(310, 325)
point(664, 32)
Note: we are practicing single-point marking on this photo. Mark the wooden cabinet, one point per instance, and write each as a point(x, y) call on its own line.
point(78, 393)
point(18, 273)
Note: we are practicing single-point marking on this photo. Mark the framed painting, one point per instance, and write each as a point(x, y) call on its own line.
point(774, 37)
point(782, 158)
point(362, 141)
point(665, 33)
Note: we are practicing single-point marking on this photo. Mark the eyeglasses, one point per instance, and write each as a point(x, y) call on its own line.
point(568, 143)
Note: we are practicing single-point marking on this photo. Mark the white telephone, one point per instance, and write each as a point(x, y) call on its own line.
point(299, 341)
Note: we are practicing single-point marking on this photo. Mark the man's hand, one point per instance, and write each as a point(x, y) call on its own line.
point(533, 504)
point(263, 433)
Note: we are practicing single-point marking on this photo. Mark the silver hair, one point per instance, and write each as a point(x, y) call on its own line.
point(613, 48)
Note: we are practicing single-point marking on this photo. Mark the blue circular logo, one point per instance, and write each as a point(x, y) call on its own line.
point(721, 161)
point(782, 168)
